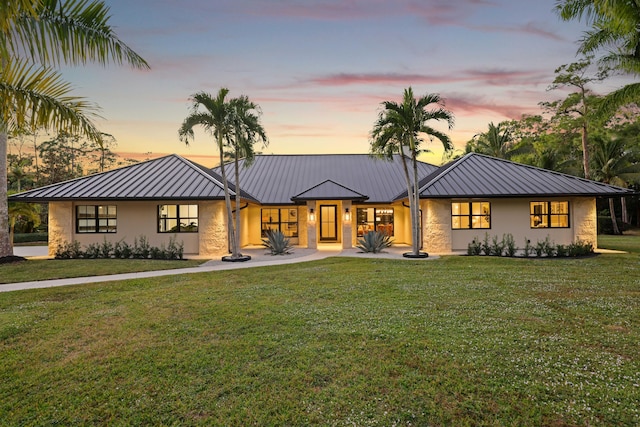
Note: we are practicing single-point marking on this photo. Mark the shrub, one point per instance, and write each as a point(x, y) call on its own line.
point(474, 248)
point(544, 247)
point(527, 248)
point(562, 251)
point(374, 242)
point(141, 248)
point(277, 243)
point(580, 248)
point(122, 250)
point(486, 247)
point(497, 247)
point(105, 249)
point(509, 245)
point(68, 250)
point(174, 250)
point(92, 251)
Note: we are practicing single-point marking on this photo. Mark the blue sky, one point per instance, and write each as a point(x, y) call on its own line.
point(319, 69)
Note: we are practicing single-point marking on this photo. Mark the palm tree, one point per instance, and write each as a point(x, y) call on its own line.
point(614, 28)
point(25, 211)
point(36, 35)
point(399, 130)
point(614, 163)
point(247, 130)
point(497, 141)
point(221, 119)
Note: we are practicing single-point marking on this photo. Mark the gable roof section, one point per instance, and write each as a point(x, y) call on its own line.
point(477, 175)
point(329, 190)
point(167, 178)
point(274, 179)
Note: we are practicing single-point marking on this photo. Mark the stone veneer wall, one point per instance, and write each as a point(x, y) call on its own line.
point(212, 229)
point(585, 219)
point(436, 233)
point(60, 225)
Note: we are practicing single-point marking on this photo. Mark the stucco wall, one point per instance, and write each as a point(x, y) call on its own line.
point(135, 219)
point(512, 216)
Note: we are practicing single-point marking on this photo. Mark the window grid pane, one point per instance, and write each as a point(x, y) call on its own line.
point(467, 215)
point(96, 219)
point(549, 214)
point(177, 218)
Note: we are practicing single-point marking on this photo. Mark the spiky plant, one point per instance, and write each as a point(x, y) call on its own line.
point(374, 242)
point(277, 243)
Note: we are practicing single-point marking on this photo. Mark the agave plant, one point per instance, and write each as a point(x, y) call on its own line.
point(374, 242)
point(277, 243)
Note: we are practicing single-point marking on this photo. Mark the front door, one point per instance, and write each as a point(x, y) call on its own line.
point(328, 223)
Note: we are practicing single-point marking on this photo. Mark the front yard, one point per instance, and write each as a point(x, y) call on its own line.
point(458, 341)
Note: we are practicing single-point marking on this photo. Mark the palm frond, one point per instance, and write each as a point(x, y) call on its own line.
point(70, 32)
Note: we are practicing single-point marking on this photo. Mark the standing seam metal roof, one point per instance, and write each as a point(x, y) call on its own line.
point(477, 175)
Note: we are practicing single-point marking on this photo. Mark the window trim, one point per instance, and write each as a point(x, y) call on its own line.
point(283, 226)
point(549, 214)
point(376, 224)
point(471, 215)
point(177, 218)
point(111, 220)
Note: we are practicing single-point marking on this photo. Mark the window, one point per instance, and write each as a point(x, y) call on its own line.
point(378, 219)
point(96, 219)
point(177, 218)
point(281, 219)
point(549, 214)
point(466, 215)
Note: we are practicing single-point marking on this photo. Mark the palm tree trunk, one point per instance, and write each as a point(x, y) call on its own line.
point(416, 206)
point(227, 201)
point(625, 213)
point(411, 199)
point(5, 244)
point(237, 173)
point(614, 222)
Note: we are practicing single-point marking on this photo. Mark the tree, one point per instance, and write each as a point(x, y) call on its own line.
point(614, 163)
point(399, 130)
point(614, 28)
point(497, 141)
point(22, 211)
point(234, 126)
point(36, 35)
point(247, 130)
point(579, 103)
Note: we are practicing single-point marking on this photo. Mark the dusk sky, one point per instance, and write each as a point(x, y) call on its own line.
point(319, 69)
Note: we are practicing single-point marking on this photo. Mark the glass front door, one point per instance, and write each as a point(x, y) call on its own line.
point(328, 223)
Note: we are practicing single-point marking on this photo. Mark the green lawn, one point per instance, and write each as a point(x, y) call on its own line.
point(462, 341)
point(43, 269)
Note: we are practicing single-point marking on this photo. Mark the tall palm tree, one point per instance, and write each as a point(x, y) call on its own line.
point(399, 129)
point(614, 163)
point(614, 28)
point(246, 132)
point(36, 35)
point(215, 115)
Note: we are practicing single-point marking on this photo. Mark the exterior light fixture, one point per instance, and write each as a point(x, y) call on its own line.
point(347, 215)
point(312, 215)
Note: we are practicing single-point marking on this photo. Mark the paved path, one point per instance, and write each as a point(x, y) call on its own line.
point(259, 258)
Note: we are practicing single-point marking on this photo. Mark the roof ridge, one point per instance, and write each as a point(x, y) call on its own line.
point(202, 170)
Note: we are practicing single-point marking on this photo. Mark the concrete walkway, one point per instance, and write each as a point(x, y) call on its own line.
point(259, 258)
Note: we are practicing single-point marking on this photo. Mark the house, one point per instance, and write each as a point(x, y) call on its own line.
point(318, 199)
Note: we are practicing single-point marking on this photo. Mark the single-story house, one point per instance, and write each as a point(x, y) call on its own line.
point(320, 199)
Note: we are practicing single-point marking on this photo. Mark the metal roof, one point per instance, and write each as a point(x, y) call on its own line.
point(477, 175)
point(329, 190)
point(170, 177)
point(274, 179)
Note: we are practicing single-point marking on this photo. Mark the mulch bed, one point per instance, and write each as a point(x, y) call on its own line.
point(11, 258)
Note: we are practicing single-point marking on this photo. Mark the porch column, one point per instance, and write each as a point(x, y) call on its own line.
point(312, 220)
point(347, 224)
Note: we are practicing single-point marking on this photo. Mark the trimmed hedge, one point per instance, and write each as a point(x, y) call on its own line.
point(141, 249)
point(30, 237)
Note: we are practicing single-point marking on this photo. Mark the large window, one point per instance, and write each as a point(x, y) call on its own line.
point(466, 215)
point(96, 219)
point(378, 219)
point(281, 219)
point(177, 218)
point(549, 214)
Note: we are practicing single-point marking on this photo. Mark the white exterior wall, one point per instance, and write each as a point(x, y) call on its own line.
point(135, 219)
point(512, 216)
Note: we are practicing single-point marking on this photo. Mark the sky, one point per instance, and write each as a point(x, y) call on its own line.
point(319, 69)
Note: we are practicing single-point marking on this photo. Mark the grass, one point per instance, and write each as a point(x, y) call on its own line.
point(44, 269)
point(465, 341)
